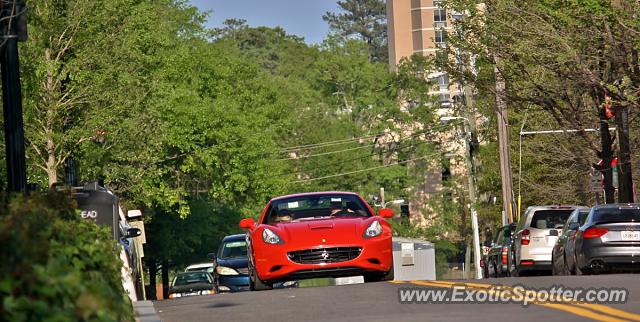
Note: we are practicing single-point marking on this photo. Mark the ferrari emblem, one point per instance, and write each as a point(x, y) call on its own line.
point(324, 240)
point(325, 255)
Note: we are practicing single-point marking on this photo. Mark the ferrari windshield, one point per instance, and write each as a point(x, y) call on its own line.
point(311, 207)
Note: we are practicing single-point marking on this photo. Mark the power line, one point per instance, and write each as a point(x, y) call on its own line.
point(345, 141)
point(360, 147)
point(361, 170)
point(325, 153)
point(328, 143)
point(356, 158)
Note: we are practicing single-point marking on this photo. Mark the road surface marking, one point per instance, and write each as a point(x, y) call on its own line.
point(591, 311)
point(591, 306)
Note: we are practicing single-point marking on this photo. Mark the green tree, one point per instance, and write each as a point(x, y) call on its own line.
point(365, 20)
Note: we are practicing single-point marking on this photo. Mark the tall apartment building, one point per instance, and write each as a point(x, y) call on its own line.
point(419, 27)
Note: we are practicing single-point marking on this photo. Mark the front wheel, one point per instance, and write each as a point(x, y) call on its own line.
point(388, 276)
point(255, 284)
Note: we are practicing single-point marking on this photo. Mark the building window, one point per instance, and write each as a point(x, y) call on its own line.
point(441, 36)
point(439, 15)
point(443, 83)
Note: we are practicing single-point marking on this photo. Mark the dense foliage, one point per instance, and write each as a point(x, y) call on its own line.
point(560, 60)
point(56, 266)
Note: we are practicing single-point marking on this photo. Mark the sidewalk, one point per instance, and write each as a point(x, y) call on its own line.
point(145, 312)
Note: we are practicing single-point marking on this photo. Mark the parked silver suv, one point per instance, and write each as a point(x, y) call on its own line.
point(535, 235)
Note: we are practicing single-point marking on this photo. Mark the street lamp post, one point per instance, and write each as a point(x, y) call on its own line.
point(472, 191)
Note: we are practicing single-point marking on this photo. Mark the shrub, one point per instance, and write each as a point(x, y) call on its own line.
point(55, 266)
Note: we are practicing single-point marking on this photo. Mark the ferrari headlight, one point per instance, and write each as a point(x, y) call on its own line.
point(226, 271)
point(270, 237)
point(374, 229)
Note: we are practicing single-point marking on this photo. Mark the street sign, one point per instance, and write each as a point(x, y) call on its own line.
point(596, 183)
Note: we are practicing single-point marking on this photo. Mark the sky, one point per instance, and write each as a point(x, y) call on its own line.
point(298, 17)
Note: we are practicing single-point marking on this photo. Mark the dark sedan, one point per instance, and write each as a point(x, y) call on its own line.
point(563, 254)
point(496, 258)
point(231, 272)
point(609, 239)
point(191, 283)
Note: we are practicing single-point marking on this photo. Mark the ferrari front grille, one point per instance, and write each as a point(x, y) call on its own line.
point(325, 255)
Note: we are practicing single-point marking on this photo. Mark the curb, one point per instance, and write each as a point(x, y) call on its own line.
point(145, 312)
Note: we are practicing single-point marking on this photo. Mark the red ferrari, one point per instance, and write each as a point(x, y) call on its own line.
point(320, 234)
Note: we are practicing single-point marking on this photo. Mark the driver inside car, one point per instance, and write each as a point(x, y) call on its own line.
point(284, 215)
point(336, 209)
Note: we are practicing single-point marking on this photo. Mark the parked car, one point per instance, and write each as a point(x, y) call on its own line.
point(563, 254)
point(231, 264)
point(495, 260)
point(321, 234)
point(191, 283)
point(609, 238)
point(207, 267)
point(536, 234)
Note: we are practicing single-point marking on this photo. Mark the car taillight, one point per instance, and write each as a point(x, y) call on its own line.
point(524, 240)
point(504, 255)
point(594, 232)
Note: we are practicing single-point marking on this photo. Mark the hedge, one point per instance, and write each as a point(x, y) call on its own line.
point(55, 266)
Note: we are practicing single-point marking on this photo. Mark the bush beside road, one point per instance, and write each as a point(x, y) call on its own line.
point(55, 266)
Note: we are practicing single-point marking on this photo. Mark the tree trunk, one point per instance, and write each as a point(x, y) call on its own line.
point(153, 272)
point(52, 171)
point(165, 279)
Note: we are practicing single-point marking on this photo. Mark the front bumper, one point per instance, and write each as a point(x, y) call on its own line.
point(272, 263)
point(233, 283)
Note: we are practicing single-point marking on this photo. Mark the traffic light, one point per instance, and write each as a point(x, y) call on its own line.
point(601, 166)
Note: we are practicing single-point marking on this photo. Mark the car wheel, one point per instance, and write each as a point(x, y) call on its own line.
point(565, 268)
point(580, 271)
point(499, 271)
point(388, 276)
point(255, 284)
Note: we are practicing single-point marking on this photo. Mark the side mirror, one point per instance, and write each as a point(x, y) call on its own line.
point(574, 226)
point(553, 232)
point(211, 256)
point(247, 223)
point(385, 213)
point(133, 232)
point(134, 214)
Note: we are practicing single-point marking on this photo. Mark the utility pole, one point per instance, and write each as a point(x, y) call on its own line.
point(472, 199)
point(504, 151)
point(471, 145)
point(625, 192)
point(13, 30)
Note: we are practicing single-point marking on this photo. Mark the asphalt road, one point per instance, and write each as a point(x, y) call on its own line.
point(380, 302)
